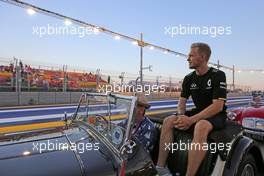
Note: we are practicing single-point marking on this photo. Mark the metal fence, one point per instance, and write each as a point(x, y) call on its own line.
point(24, 76)
point(21, 76)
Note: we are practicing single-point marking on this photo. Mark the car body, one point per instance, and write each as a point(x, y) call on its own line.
point(243, 156)
point(254, 109)
point(252, 120)
point(251, 117)
point(111, 149)
point(246, 112)
point(89, 143)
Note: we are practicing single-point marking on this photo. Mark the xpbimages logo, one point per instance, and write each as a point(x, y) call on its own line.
point(49, 145)
point(59, 30)
point(212, 31)
point(183, 146)
point(125, 88)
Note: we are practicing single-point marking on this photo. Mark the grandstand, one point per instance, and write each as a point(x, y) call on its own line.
point(17, 76)
point(24, 83)
point(45, 79)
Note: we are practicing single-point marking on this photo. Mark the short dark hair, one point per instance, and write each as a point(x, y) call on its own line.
point(202, 48)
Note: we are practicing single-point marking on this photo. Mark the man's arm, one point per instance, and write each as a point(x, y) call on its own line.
point(182, 106)
point(185, 94)
point(213, 109)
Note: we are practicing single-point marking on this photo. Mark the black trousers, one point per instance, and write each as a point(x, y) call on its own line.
point(217, 121)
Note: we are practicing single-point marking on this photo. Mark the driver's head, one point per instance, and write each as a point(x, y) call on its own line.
point(199, 55)
point(142, 105)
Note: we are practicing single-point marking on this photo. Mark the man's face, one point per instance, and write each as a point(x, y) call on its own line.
point(140, 112)
point(195, 58)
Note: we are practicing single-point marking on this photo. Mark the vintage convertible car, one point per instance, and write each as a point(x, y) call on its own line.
point(93, 142)
point(252, 119)
point(255, 109)
point(90, 142)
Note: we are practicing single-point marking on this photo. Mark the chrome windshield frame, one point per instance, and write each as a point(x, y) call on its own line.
point(131, 115)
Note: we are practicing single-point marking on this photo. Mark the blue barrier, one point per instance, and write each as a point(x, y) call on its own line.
point(19, 116)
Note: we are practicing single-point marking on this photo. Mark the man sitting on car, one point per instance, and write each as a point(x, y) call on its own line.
point(207, 87)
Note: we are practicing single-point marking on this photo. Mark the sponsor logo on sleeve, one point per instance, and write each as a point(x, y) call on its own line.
point(223, 85)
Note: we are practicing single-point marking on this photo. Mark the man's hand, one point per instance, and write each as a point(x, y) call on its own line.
point(183, 122)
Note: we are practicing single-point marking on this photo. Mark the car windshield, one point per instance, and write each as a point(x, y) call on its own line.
point(110, 115)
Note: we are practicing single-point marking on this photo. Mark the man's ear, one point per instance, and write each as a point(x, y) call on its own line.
point(144, 111)
point(203, 56)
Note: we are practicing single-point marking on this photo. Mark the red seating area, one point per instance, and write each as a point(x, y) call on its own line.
point(82, 80)
point(6, 74)
point(43, 78)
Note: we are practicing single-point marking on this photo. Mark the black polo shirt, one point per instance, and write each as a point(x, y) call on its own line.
point(205, 88)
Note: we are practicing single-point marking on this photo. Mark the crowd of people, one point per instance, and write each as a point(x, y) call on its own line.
point(33, 78)
point(46, 79)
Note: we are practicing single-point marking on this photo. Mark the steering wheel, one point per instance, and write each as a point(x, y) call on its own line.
point(103, 121)
point(101, 117)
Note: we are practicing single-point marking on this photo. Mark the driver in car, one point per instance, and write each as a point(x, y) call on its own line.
point(144, 130)
point(207, 87)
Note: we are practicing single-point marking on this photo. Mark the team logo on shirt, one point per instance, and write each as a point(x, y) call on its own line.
point(209, 83)
point(193, 86)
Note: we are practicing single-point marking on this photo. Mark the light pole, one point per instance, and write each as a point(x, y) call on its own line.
point(157, 79)
point(97, 78)
point(141, 58)
point(18, 79)
point(170, 84)
point(137, 81)
point(142, 44)
point(141, 71)
point(64, 88)
point(233, 71)
point(121, 77)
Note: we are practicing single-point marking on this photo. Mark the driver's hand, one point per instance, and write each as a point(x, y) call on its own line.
point(183, 122)
point(91, 120)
